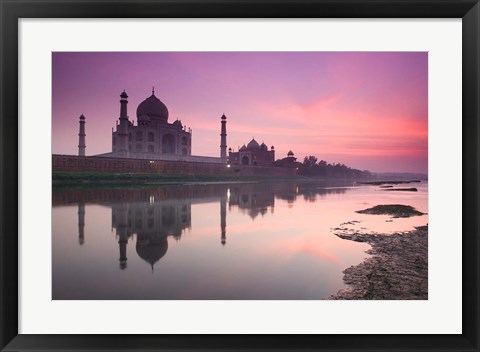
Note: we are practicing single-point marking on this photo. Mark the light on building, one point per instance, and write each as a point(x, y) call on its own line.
point(152, 199)
point(228, 165)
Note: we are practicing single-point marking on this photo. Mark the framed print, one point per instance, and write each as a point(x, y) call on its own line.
point(238, 176)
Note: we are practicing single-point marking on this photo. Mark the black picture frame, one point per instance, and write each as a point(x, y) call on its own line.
point(12, 10)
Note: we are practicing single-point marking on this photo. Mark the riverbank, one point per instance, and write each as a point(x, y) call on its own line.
point(77, 178)
point(105, 178)
point(396, 270)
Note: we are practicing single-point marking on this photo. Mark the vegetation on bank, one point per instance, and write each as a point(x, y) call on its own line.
point(312, 167)
point(74, 177)
point(147, 178)
point(383, 184)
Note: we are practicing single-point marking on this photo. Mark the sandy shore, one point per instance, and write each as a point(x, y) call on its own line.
point(397, 269)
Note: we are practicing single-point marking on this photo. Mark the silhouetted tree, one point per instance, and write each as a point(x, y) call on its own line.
point(310, 167)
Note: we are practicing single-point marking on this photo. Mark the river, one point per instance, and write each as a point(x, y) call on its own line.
point(237, 241)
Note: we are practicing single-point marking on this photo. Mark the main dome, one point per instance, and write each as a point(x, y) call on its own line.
point(153, 108)
point(253, 144)
point(152, 250)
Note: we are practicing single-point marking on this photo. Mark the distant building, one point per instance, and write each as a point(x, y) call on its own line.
point(253, 154)
point(289, 161)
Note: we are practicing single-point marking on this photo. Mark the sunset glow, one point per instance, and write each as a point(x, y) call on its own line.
point(368, 110)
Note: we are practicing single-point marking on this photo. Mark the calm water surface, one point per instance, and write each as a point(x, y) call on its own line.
point(223, 241)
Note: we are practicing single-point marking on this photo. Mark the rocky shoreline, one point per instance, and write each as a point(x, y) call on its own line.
point(396, 270)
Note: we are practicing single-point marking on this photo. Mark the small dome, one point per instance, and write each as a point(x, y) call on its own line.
point(243, 147)
point(224, 117)
point(290, 153)
point(272, 147)
point(178, 124)
point(154, 108)
point(253, 144)
point(82, 117)
point(263, 146)
point(124, 95)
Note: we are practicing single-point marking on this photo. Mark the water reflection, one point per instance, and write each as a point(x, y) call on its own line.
point(81, 223)
point(152, 222)
point(251, 200)
point(148, 216)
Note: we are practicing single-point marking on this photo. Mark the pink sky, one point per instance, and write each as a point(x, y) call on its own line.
point(368, 110)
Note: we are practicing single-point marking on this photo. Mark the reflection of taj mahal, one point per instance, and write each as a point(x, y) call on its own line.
point(152, 223)
point(149, 217)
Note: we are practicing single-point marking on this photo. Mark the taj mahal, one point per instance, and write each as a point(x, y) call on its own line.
point(151, 143)
point(153, 137)
point(153, 133)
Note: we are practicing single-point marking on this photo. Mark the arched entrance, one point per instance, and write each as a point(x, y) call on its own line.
point(168, 144)
point(245, 160)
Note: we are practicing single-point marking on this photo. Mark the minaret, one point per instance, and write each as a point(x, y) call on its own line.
point(81, 137)
point(121, 224)
point(122, 245)
point(122, 129)
point(223, 218)
point(81, 223)
point(223, 139)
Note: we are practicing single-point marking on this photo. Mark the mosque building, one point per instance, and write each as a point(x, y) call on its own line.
point(253, 154)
